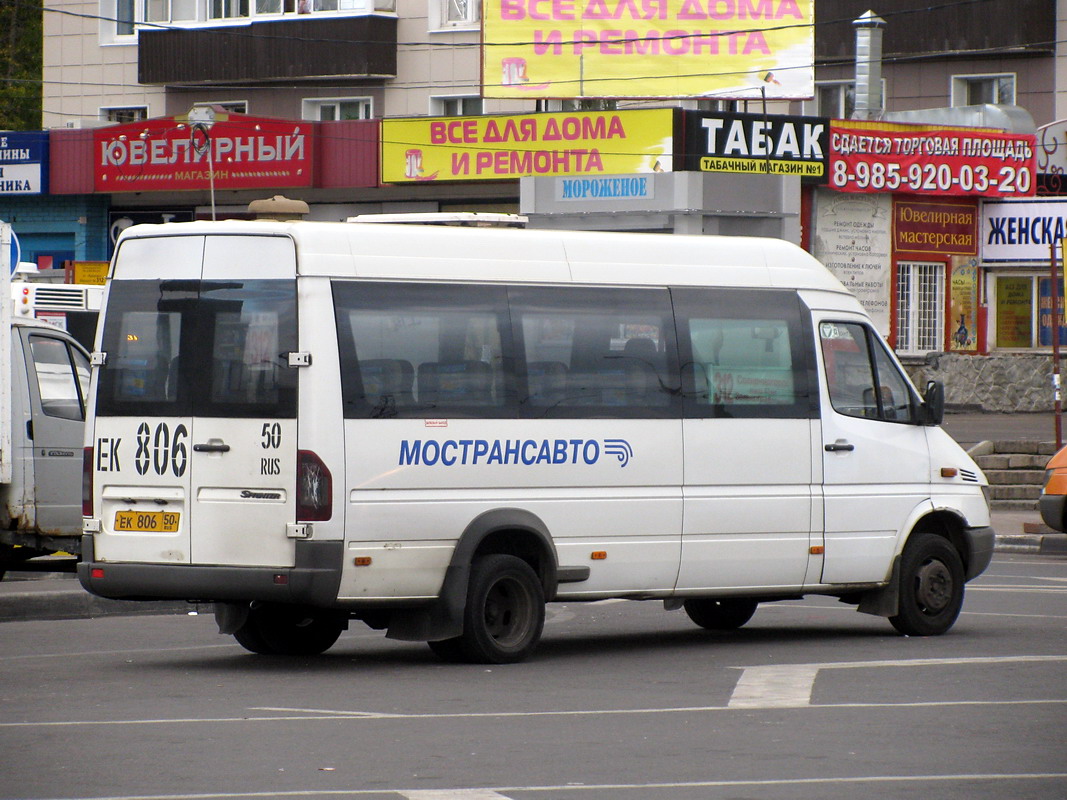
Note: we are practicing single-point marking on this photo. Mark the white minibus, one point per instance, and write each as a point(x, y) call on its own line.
point(437, 430)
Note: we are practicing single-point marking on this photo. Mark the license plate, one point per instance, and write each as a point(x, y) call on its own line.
point(147, 521)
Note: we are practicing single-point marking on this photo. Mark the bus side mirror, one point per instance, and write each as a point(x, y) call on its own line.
point(934, 403)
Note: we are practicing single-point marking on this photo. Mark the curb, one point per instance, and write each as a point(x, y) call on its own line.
point(18, 604)
point(1043, 544)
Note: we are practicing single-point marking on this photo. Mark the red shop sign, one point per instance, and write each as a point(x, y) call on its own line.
point(948, 227)
point(925, 160)
point(166, 154)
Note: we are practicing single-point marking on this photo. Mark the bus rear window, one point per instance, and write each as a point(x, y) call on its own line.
point(199, 348)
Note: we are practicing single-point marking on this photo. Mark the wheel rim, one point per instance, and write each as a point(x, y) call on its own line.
point(508, 612)
point(934, 587)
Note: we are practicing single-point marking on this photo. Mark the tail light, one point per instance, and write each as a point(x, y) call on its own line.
point(314, 488)
point(87, 482)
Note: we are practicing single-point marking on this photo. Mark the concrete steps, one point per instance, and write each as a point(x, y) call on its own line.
point(1016, 471)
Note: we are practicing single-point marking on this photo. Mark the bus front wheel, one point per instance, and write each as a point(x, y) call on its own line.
point(931, 586)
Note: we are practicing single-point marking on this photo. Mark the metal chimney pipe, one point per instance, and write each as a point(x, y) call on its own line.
point(869, 29)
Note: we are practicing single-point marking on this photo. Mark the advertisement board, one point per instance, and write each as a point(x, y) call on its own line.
point(852, 238)
point(935, 227)
point(1022, 230)
point(887, 157)
point(511, 147)
point(23, 162)
point(237, 152)
point(757, 144)
point(648, 48)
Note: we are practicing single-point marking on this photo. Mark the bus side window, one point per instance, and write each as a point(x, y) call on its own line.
point(745, 353)
point(605, 352)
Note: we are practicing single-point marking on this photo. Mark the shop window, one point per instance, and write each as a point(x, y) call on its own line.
point(1024, 312)
point(920, 307)
point(973, 90)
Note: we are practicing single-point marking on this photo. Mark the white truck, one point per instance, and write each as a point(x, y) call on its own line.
point(44, 380)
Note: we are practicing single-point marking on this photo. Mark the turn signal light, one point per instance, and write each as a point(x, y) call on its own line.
point(362, 561)
point(949, 472)
point(598, 555)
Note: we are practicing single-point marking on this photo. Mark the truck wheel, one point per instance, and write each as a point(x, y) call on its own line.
point(931, 586)
point(720, 614)
point(504, 616)
point(289, 630)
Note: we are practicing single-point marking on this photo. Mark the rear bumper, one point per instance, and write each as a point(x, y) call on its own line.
point(313, 580)
point(980, 543)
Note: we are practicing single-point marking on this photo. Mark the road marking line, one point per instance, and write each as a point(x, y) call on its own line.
point(599, 787)
point(791, 685)
point(452, 794)
point(360, 716)
point(778, 687)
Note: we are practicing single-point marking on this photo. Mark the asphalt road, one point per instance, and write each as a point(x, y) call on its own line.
point(622, 700)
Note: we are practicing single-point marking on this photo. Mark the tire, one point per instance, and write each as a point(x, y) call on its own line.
point(504, 615)
point(283, 630)
point(931, 586)
point(720, 614)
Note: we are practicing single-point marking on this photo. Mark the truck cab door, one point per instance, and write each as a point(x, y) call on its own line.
point(57, 373)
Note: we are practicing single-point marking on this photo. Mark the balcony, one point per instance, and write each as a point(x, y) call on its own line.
point(274, 50)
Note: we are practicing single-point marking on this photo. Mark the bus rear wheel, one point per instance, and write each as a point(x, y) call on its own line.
point(504, 615)
point(720, 614)
point(284, 630)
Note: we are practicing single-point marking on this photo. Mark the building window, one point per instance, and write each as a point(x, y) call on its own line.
point(455, 106)
point(584, 104)
point(920, 307)
point(461, 12)
point(835, 99)
point(226, 107)
point(338, 108)
point(226, 9)
point(973, 90)
point(169, 10)
point(124, 114)
point(125, 17)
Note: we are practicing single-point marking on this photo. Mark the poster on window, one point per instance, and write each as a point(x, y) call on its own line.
point(852, 238)
point(1015, 308)
point(963, 305)
point(1044, 319)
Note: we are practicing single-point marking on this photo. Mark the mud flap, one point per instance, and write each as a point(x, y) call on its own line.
point(442, 619)
point(884, 602)
point(230, 616)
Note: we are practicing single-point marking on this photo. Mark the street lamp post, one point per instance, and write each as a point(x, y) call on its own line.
point(201, 118)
